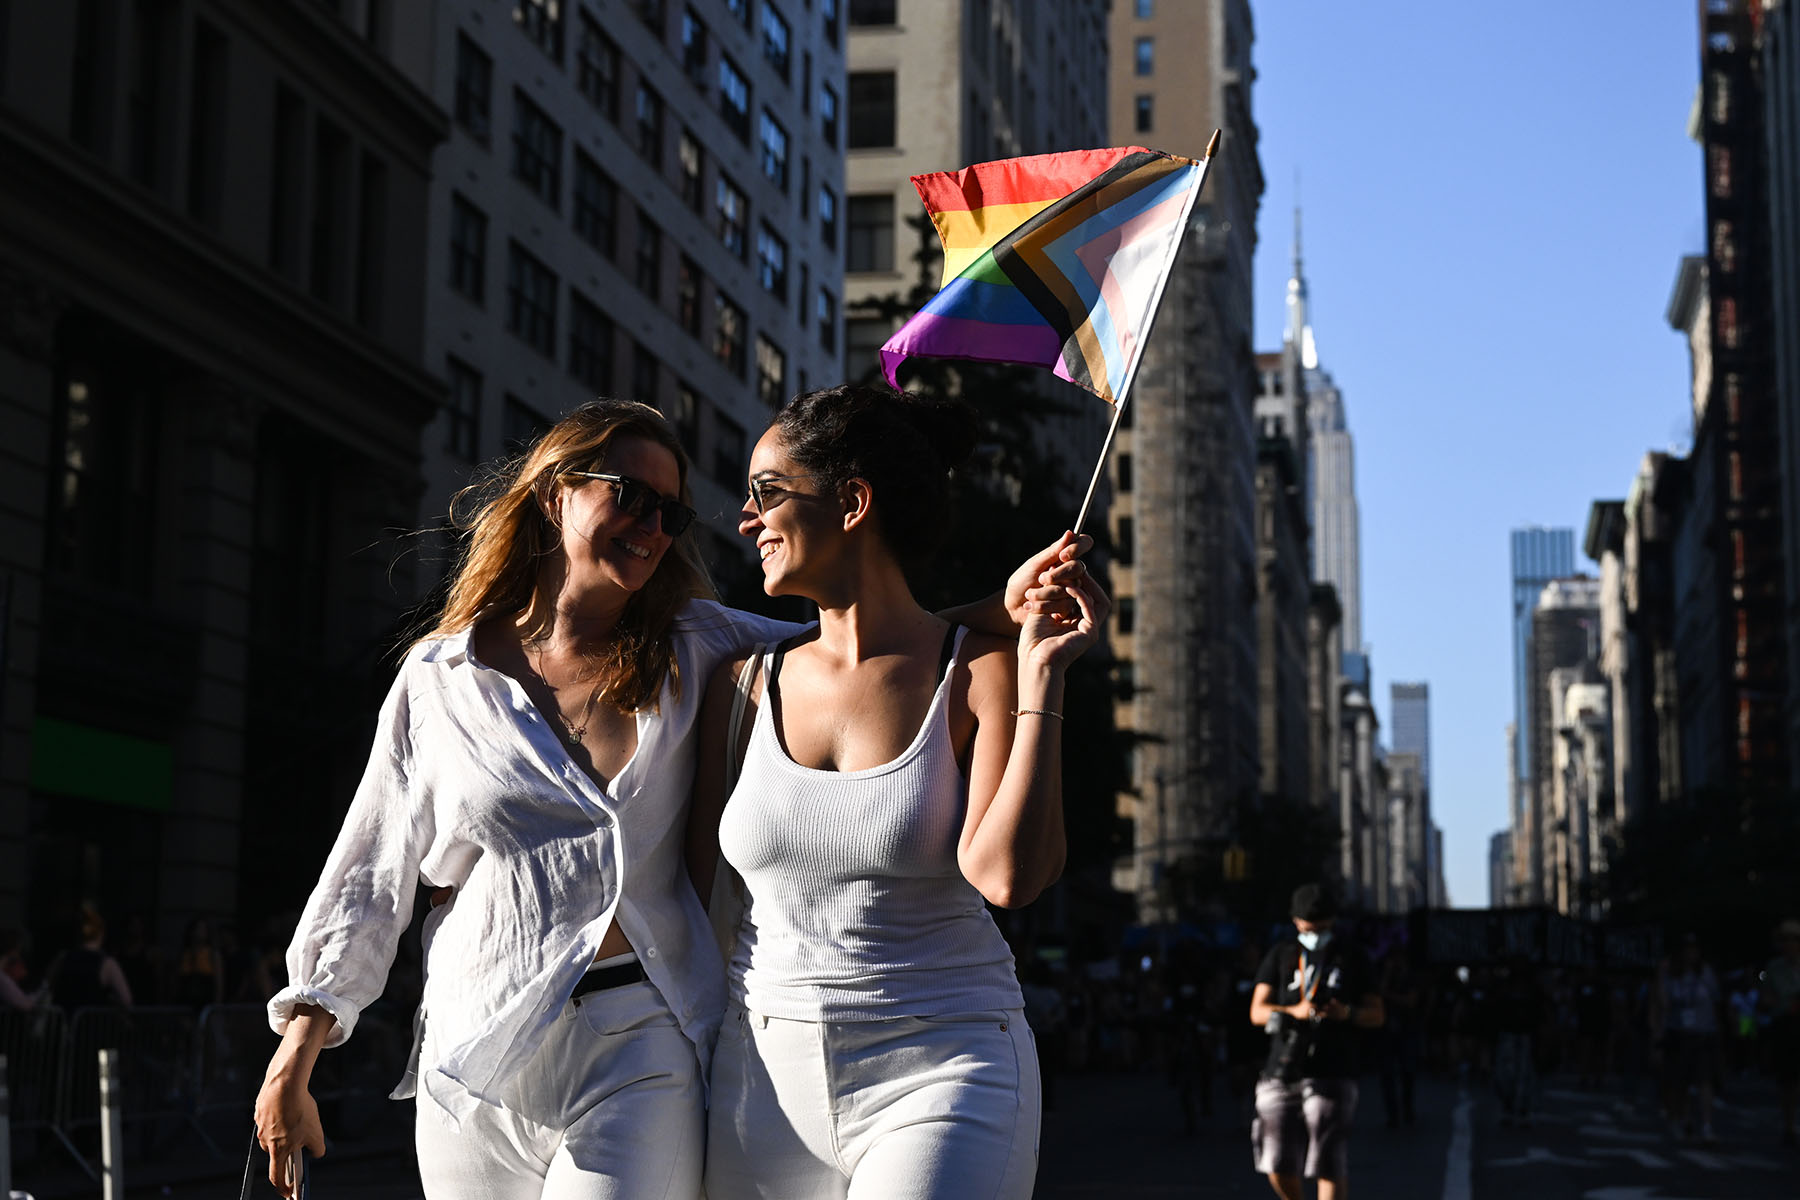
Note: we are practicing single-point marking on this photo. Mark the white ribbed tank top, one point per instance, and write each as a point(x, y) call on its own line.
point(857, 909)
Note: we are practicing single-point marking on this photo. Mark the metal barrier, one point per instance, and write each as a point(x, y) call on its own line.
point(232, 1048)
point(174, 1067)
point(35, 1044)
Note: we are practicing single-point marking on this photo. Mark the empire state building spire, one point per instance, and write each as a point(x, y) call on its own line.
point(1299, 331)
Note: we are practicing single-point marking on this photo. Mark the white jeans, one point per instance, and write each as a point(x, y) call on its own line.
point(609, 1108)
point(904, 1109)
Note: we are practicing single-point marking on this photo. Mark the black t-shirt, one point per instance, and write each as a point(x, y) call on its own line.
point(1322, 1049)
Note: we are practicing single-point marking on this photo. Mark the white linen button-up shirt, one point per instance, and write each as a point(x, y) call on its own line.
point(468, 786)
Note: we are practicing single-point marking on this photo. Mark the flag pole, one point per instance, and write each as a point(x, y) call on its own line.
point(1124, 396)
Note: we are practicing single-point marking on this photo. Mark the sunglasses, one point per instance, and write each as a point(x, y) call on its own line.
point(759, 499)
point(636, 498)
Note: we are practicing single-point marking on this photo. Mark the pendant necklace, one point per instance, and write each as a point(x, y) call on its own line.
point(575, 732)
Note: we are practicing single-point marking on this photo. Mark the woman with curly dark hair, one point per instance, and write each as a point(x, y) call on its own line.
point(898, 771)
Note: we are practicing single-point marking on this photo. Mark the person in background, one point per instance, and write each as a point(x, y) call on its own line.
point(199, 970)
point(14, 972)
point(1688, 1008)
point(1517, 1014)
point(86, 976)
point(1312, 997)
point(1779, 997)
point(1593, 1027)
point(1400, 1040)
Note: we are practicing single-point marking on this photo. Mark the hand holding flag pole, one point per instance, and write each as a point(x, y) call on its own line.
point(1055, 260)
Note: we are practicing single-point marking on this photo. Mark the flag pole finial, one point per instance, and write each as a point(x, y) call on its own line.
point(1212, 145)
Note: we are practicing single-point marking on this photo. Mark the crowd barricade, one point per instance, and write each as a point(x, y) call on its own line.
point(35, 1044)
point(176, 1067)
point(232, 1047)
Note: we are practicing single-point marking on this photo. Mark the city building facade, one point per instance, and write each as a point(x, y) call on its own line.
point(211, 403)
point(1283, 587)
point(643, 200)
point(1583, 818)
point(1780, 50)
point(1500, 870)
point(1564, 634)
point(1185, 529)
point(1539, 555)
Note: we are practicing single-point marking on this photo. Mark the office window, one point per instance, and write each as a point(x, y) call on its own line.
point(462, 408)
point(537, 149)
point(287, 150)
point(654, 14)
point(771, 262)
point(871, 109)
point(1146, 113)
point(1144, 9)
point(522, 425)
point(775, 40)
point(646, 374)
point(734, 216)
point(596, 206)
point(729, 332)
point(871, 12)
point(530, 300)
point(1144, 54)
point(541, 21)
point(649, 124)
point(729, 455)
point(771, 372)
point(734, 98)
point(206, 123)
point(687, 295)
point(693, 47)
point(1125, 474)
point(330, 211)
point(863, 338)
point(828, 13)
point(684, 414)
point(597, 69)
point(869, 243)
point(827, 315)
point(693, 167)
point(774, 151)
point(828, 114)
point(369, 258)
point(1127, 611)
point(827, 217)
point(149, 61)
point(739, 9)
point(590, 344)
point(1125, 547)
point(649, 256)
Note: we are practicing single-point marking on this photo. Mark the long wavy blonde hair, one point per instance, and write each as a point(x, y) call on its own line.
point(508, 537)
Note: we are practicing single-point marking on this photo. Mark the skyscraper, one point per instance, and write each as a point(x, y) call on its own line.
point(1410, 713)
point(1331, 468)
point(1538, 556)
point(1565, 629)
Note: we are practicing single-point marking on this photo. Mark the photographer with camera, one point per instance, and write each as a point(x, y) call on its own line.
point(1312, 995)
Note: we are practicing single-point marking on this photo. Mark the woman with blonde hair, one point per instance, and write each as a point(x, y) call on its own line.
point(533, 762)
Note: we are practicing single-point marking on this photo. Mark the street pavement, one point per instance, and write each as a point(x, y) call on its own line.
point(1119, 1136)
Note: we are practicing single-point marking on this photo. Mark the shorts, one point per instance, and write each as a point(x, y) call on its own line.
point(1302, 1127)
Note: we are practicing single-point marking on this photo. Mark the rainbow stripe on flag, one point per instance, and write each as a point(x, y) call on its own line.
point(1055, 260)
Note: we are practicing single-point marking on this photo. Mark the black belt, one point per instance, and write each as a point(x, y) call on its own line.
point(601, 978)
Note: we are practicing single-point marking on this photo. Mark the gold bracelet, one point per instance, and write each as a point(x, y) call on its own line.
point(1038, 712)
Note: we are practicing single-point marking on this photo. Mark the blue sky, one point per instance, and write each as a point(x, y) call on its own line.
point(1496, 197)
